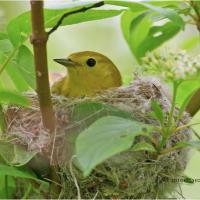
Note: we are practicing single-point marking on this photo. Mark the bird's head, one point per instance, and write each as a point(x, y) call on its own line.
point(91, 71)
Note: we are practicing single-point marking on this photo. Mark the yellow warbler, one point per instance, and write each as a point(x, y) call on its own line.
point(88, 73)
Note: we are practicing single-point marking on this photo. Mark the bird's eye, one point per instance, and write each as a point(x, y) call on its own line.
point(91, 62)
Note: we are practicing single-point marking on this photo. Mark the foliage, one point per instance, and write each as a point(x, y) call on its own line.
point(111, 135)
point(145, 26)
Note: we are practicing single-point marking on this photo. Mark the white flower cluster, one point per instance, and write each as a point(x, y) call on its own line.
point(172, 66)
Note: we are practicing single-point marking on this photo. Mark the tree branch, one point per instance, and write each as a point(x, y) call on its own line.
point(84, 9)
point(39, 39)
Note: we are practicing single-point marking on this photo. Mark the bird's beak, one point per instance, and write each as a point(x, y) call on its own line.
point(65, 62)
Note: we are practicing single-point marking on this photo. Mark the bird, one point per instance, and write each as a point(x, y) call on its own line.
point(88, 73)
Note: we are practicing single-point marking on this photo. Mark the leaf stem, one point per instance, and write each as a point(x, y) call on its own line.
point(175, 88)
point(185, 126)
point(167, 131)
point(3, 125)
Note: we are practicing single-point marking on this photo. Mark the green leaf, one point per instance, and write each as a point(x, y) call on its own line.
point(52, 16)
point(137, 6)
point(158, 111)
point(185, 89)
point(193, 144)
point(6, 170)
point(167, 13)
point(106, 137)
point(143, 146)
point(15, 75)
point(182, 109)
point(3, 36)
point(5, 46)
point(93, 110)
point(11, 77)
point(151, 38)
point(137, 31)
point(15, 154)
point(8, 187)
point(12, 98)
point(126, 20)
point(134, 6)
point(19, 28)
point(141, 32)
point(156, 37)
point(26, 66)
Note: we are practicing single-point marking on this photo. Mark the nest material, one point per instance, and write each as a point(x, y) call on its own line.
point(126, 175)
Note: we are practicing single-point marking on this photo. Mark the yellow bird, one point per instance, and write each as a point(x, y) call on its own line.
point(88, 73)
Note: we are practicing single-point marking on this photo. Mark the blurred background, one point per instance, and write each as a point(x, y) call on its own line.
point(105, 36)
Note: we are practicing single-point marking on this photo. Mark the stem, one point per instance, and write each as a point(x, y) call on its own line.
point(39, 41)
point(167, 131)
point(3, 125)
point(185, 126)
point(175, 88)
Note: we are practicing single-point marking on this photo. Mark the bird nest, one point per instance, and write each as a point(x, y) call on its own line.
point(126, 175)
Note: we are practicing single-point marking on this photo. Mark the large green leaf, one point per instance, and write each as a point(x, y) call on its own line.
point(143, 34)
point(166, 13)
point(6, 170)
point(13, 98)
point(5, 46)
point(15, 75)
point(185, 89)
point(3, 36)
point(19, 28)
point(192, 144)
point(11, 77)
point(137, 31)
point(7, 189)
point(26, 66)
point(134, 6)
point(143, 146)
point(156, 37)
point(15, 154)
point(138, 6)
point(52, 16)
point(105, 138)
point(126, 20)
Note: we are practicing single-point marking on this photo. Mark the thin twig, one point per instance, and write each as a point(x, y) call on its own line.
point(3, 124)
point(53, 147)
point(84, 9)
point(74, 177)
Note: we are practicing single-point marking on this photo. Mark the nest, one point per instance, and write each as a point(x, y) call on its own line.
point(126, 175)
